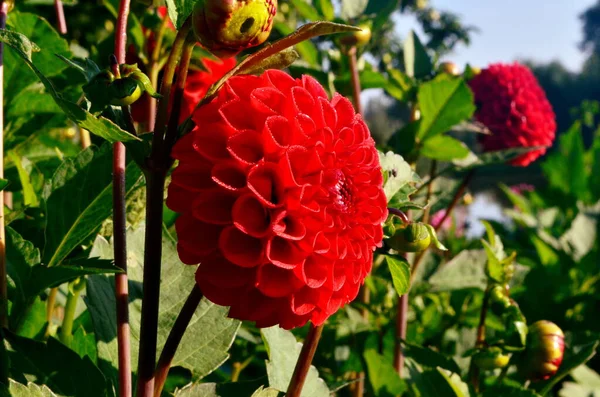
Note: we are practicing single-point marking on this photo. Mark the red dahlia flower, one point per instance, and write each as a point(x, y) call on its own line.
point(281, 200)
point(511, 103)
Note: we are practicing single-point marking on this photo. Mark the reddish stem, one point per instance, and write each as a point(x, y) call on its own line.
point(355, 76)
point(401, 325)
point(3, 279)
point(304, 361)
point(60, 17)
point(120, 222)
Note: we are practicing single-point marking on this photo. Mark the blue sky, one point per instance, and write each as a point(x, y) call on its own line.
point(540, 30)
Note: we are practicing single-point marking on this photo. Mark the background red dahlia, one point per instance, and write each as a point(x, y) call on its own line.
point(511, 103)
point(281, 200)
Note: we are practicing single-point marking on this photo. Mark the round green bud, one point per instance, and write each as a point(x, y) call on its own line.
point(125, 92)
point(491, 358)
point(414, 237)
point(226, 27)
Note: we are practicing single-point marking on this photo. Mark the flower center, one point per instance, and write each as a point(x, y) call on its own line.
point(341, 191)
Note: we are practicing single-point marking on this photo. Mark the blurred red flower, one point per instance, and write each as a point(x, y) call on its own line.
point(511, 103)
point(281, 200)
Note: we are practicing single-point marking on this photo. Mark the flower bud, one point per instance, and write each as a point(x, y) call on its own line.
point(491, 358)
point(449, 68)
point(415, 237)
point(544, 351)
point(499, 300)
point(226, 27)
point(359, 38)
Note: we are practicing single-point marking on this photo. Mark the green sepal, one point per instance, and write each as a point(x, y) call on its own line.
point(133, 72)
point(434, 238)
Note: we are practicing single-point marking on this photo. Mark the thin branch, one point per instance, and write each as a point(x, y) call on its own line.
point(304, 361)
point(120, 222)
point(355, 76)
point(60, 17)
point(174, 339)
point(401, 326)
point(3, 279)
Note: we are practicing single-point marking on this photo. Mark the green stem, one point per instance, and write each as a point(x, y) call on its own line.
point(66, 330)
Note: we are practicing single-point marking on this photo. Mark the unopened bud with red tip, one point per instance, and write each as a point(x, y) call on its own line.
point(544, 352)
point(491, 358)
point(226, 27)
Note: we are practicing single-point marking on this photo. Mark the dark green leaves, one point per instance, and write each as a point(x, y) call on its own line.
point(78, 200)
point(31, 390)
point(55, 365)
point(429, 358)
point(444, 102)
point(444, 148)
point(400, 270)
point(382, 376)
point(283, 350)
point(97, 125)
point(180, 10)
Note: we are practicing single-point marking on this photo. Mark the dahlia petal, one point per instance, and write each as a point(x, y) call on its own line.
point(246, 147)
point(304, 301)
point(242, 87)
point(284, 253)
point(276, 282)
point(344, 109)
point(240, 248)
point(251, 217)
point(219, 271)
point(313, 86)
point(268, 100)
point(316, 270)
point(234, 114)
point(291, 228)
point(218, 294)
point(277, 133)
point(186, 256)
point(202, 238)
point(303, 101)
point(180, 199)
point(229, 175)
point(193, 176)
point(214, 206)
point(211, 142)
point(306, 126)
point(328, 112)
point(207, 114)
point(264, 181)
point(280, 80)
point(184, 148)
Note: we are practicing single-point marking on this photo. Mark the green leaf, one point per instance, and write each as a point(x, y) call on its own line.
point(79, 199)
point(434, 382)
point(97, 125)
point(281, 60)
point(236, 389)
point(491, 158)
point(444, 102)
point(399, 85)
point(3, 184)
point(307, 50)
point(594, 179)
point(39, 30)
point(518, 200)
point(397, 173)
point(509, 391)
point(269, 392)
point(284, 350)
point(84, 344)
point(325, 8)
point(180, 10)
point(55, 365)
point(417, 62)
point(429, 358)
point(29, 195)
point(400, 270)
point(353, 8)
point(31, 390)
point(210, 333)
point(580, 238)
point(571, 180)
point(466, 270)
point(382, 376)
point(444, 148)
point(574, 357)
point(306, 10)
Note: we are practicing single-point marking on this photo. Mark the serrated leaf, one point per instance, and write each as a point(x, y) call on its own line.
point(97, 125)
point(31, 390)
point(268, 392)
point(56, 365)
point(235, 389)
point(574, 357)
point(417, 62)
point(79, 199)
point(397, 173)
point(284, 350)
point(353, 8)
point(444, 148)
point(210, 333)
point(382, 376)
point(84, 344)
point(444, 102)
point(400, 270)
point(466, 270)
point(180, 10)
point(434, 382)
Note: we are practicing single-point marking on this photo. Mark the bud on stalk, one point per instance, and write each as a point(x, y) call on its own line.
point(544, 352)
point(226, 27)
point(491, 358)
